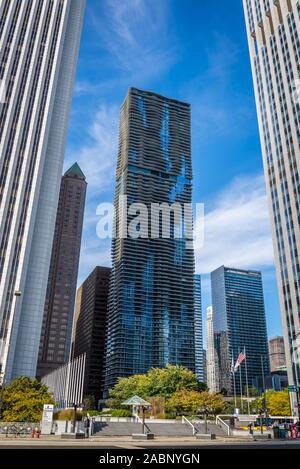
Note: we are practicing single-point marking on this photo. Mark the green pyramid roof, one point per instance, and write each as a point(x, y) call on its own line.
point(75, 169)
point(137, 401)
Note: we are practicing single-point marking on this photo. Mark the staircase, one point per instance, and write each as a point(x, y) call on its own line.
point(212, 428)
point(127, 429)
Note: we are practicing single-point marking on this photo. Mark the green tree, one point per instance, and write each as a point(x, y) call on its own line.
point(89, 402)
point(191, 402)
point(278, 403)
point(156, 383)
point(23, 400)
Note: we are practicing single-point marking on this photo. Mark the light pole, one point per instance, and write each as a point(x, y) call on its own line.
point(75, 406)
point(206, 411)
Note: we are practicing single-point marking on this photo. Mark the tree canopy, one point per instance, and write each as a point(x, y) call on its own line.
point(23, 400)
point(278, 403)
point(156, 383)
point(194, 402)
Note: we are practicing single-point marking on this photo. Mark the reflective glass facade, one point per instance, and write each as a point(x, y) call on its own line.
point(199, 353)
point(239, 321)
point(151, 300)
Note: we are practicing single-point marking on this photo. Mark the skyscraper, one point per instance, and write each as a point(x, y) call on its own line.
point(211, 358)
point(274, 37)
point(277, 354)
point(151, 301)
point(199, 354)
point(39, 48)
point(60, 297)
point(239, 323)
point(90, 329)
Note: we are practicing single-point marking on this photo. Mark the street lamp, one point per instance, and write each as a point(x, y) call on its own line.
point(206, 411)
point(75, 406)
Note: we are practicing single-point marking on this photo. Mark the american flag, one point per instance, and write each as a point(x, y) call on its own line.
point(240, 360)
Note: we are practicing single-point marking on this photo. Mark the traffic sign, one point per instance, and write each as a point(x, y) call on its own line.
point(292, 389)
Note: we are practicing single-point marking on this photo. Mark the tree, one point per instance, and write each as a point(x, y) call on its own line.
point(278, 403)
point(191, 402)
point(23, 400)
point(89, 402)
point(156, 383)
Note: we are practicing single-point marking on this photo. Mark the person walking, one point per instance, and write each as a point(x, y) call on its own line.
point(294, 431)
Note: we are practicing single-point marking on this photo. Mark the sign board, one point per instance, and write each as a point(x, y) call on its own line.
point(292, 389)
point(47, 419)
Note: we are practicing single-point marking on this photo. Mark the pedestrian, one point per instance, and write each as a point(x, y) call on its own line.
point(282, 431)
point(250, 428)
point(276, 430)
point(294, 431)
point(87, 427)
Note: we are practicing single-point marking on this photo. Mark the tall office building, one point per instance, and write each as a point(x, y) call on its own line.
point(277, 354)
point(38, 54)
point(151, 303)
point(90, 329)
point(211, 357)
point(274, 37)
point(57, 324)
point(239, 323)
point(199, 353)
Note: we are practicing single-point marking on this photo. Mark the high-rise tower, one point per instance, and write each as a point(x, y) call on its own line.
point(239, 323)
point(151, 300)
point(90, 329)
point(211, 357)
point(39, 42)
point(273, 29)
point(60, 297)
point(199, 353)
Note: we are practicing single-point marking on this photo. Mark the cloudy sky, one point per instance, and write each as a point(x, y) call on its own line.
point(195, 51)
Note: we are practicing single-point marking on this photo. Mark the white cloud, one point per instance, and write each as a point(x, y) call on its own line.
point(97, 158)
point(135, 33)
point(94, 252)
point(237, 228)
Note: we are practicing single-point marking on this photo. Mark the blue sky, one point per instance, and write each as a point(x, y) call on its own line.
point(195, 51)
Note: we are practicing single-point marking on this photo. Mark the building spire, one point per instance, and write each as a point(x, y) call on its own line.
point(75, 170)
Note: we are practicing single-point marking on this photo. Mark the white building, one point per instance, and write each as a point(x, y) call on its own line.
point(39, 43)
point(211, 357)
point(273, 29)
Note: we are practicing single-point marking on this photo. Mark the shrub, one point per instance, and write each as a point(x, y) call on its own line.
point(121, 413)
point(164, 416)
point(68, 414)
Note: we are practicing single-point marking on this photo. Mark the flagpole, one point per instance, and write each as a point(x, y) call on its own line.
point(241, 386)
point(247, 384)
point(234, 385)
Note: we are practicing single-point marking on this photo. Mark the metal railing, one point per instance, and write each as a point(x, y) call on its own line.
point(188, 422)
point(225, 427)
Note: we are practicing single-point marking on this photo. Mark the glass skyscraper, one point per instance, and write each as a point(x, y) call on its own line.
point(151, 300)
point(199, 353)
point(273, 29)
point(39, 43)
point(239, 322)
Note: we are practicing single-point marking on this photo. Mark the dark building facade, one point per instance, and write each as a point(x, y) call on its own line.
point(57, 324)
point(151, 301)
point(239, 323)
point(90, 329)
